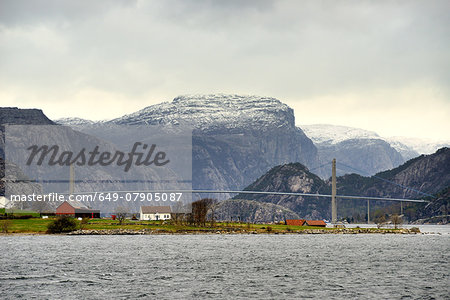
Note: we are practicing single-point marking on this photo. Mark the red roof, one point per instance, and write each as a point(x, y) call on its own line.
point(315, 223)
point(294, 222)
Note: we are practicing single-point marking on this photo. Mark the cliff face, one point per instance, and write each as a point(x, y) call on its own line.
point(235, 138)
point(293, 178)
point(16, 116)
point(426, 174)
point(437, 211)
point(367, 155)
point(252, 211)
point(360, 149)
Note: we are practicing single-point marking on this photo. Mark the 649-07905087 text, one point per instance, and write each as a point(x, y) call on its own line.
point(102, 197)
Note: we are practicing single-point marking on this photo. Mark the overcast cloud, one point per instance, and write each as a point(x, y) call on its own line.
point(378, 65)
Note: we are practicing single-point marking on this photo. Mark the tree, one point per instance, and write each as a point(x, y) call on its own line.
point(121, 214)
point(380, 221)
point(396, 220)
point(200, 210)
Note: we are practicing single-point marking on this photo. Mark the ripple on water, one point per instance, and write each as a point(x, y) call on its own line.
point(215, 266)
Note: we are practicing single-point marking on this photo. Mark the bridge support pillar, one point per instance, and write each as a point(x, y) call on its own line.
point(333, 192)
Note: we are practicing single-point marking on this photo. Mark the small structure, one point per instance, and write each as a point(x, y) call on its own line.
point(5, 203)
point(155, 213)
point(316, 223)
point(76, 209)
point(295, 222)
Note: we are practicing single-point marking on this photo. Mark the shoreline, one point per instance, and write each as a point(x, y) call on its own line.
point(215, 232)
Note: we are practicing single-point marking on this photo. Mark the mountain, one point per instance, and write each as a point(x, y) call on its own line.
point(294, 178)
point(216, 113)
point(74, 121)
point(325, 134)
point(235, 138)
point(424, 175)
point(421, 146)
point(333, 134)
point(357, 148)
point(17, 116)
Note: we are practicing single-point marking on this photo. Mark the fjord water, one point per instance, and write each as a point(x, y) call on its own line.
point(226, 266)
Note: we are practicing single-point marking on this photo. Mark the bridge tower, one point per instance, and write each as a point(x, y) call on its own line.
point(333, 192)
point(71, 179)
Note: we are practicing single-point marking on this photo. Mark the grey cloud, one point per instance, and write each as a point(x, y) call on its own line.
point(286, 49)
point(24, 12)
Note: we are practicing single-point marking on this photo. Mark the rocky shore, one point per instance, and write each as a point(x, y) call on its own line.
point(240, 231)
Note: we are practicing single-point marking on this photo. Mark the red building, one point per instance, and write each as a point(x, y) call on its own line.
point(76, 209)
point(294, 222)
point(317, 223)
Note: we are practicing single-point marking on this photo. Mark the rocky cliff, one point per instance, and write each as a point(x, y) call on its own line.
point(16, 116)
point(360, 149)
point(293, 178)
point(368, 156)
point(252, 211)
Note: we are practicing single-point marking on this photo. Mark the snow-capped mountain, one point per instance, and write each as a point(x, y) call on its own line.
point(210, 113)
point(356, 150)
point(74, 121)
point(235, 138)
point(333, 134)
point(325, 134)
point(421, 146)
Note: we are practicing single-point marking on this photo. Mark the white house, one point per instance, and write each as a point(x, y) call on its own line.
point(5, 203)
point(155, 213)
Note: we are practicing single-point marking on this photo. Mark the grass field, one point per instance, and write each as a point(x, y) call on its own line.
point(37, 225)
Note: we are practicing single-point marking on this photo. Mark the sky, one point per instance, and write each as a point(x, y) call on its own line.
point(377, 65)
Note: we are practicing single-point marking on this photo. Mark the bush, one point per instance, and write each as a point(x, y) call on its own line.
point(62, 224)
point(4, 225)
point(415, 230)
point(269, 229)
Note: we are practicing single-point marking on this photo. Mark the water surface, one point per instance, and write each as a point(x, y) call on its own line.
point(226, 266)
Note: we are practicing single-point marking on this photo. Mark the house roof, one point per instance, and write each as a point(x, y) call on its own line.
point(155, 209)
point(77, 204)
point(80, 207)
point(316, 223)
point(295, 222)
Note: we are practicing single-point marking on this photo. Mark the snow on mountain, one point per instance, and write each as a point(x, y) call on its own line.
point(421, 146)
point(334, 134)
point(216, 112)
point(74, 121)
point(325, 134)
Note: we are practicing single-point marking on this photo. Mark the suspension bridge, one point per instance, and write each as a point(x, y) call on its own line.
point(334, 196)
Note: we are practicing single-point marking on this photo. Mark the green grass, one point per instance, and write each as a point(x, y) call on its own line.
point(19, 212)
point(37, 225)
point(29, 225)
